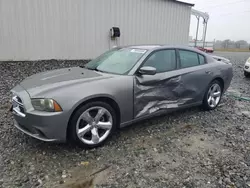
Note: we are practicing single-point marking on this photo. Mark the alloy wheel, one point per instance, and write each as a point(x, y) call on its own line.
point(214, 95)
point(94, 125)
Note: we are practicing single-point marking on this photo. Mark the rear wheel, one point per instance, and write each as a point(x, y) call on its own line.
point(246, 74)
point(213, 95)
point(92, 124)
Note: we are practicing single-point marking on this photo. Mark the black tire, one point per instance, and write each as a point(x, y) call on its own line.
point(205, 104)
point(246, 74)
point(72, 130)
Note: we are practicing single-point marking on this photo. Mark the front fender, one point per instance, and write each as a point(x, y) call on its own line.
point(118, 88)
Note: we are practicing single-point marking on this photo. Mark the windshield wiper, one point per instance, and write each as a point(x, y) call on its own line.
point(95, 69)
point(98, 70)
point(85, 67)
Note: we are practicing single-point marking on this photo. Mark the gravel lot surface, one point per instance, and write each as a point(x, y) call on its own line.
point(188, 148)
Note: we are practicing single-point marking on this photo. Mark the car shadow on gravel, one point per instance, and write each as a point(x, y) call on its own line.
point(152, 122)
point(49, 146)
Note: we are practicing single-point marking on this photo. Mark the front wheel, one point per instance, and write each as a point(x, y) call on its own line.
point(212, 96)
point(92, 124)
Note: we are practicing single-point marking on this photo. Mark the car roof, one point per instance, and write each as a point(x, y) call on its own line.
point(145, 47)
point(155, 47)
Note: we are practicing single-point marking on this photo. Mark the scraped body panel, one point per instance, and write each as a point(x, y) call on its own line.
point(169, 90)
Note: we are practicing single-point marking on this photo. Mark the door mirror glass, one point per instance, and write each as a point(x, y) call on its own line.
point(147, 70)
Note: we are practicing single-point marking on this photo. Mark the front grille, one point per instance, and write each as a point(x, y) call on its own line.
point(18, 104)
point(19, 100)
point(246, 67)
point(22, 109)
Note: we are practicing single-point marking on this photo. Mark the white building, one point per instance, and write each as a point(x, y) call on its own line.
point(80, 29)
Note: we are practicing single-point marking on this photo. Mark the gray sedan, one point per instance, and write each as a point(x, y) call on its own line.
point(122, 86)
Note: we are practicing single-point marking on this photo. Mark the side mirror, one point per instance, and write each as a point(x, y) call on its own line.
point(147, 70)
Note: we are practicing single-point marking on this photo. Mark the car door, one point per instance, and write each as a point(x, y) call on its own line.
point(195, 75)
point(181, 80)
point(160, 91)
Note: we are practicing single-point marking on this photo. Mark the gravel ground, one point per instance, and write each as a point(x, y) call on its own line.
point(188, 148)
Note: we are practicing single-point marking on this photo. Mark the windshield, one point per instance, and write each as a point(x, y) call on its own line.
point(116, 61)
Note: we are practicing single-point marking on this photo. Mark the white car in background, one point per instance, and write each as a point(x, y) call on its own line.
point(247, 68)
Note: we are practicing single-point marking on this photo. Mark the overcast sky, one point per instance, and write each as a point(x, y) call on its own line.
point(229, 19)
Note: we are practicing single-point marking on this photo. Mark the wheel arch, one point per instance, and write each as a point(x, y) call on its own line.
point(102, 98)
point(219, 79)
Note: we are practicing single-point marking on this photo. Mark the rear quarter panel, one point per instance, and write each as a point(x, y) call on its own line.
point(222, 70)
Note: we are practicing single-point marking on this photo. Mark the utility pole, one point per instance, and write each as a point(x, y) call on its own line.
point(205, 32)
point(197, 30)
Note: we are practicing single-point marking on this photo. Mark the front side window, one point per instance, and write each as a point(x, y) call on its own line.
point(163, 61)
point(116, 61)
point(188, 58)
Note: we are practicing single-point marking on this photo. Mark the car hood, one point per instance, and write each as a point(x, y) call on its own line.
point(45, 81)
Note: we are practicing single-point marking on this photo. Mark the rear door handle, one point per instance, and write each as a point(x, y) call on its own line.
point(208, 72)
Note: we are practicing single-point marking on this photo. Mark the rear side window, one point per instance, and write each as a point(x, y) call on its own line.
point(188, 58)
point(202, 59)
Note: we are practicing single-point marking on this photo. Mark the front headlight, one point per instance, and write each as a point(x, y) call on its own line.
point(248, 60)
point(47, 105)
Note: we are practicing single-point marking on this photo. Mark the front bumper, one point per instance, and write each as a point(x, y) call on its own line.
point(45, 126)
point(36, 135)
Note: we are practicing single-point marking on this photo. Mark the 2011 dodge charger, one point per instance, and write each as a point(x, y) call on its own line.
point(122, 86)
